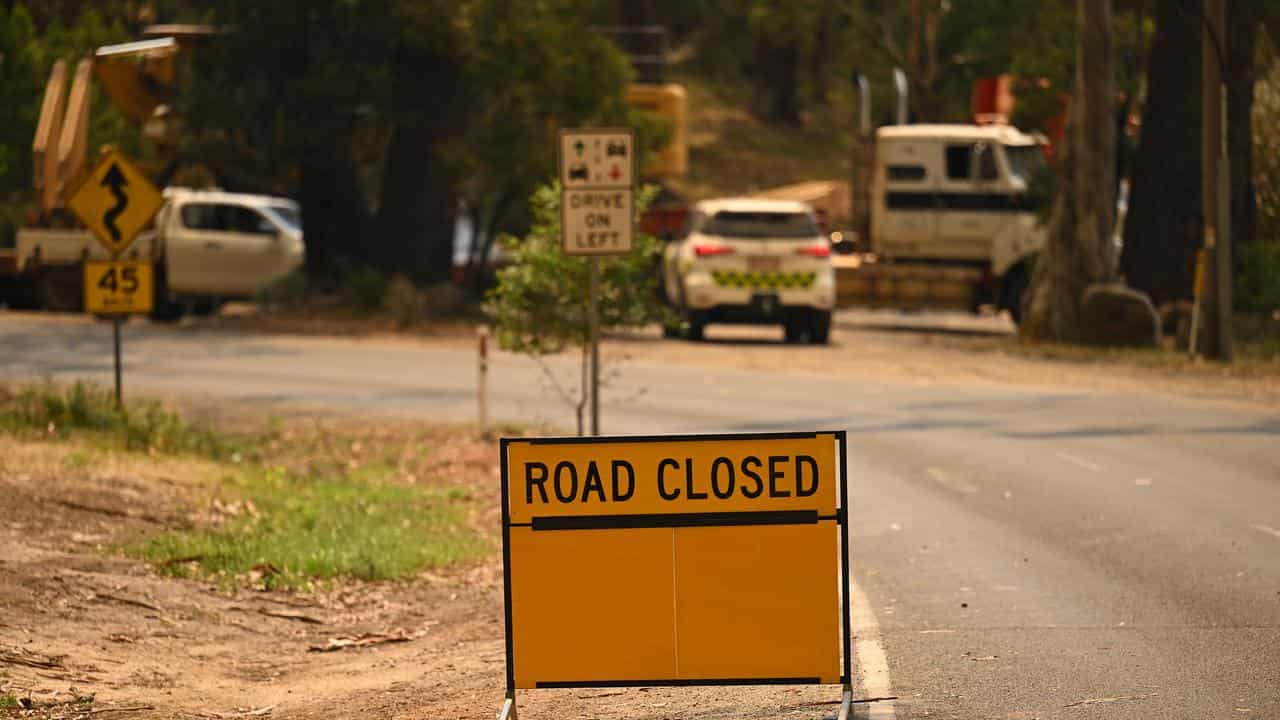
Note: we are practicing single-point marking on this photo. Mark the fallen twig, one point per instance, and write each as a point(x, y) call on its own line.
point(129, 601)
point(180, 560)
point(600, 695)
point(19, 656)
point(1100, 701)
point(287, 615)
point(109, 511)
point(129, 708)
point(365, 640)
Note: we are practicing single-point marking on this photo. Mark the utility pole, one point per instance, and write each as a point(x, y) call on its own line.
point(1216, 183)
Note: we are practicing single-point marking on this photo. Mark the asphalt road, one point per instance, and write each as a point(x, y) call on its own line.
point(1026, 553)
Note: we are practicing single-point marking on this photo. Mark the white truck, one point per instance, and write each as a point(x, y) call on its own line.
point(208, 246)
point(751, 260)
point(951, 219)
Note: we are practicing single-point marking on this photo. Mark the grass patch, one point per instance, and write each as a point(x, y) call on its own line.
point(9, 702)
point(293, 530)
point(87, 408)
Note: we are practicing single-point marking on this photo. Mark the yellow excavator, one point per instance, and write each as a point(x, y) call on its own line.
point(141, 79)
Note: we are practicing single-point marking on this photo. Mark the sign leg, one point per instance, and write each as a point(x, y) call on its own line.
point(115, 328)
point(509, 707)
point(846, 702)
point(593, 329)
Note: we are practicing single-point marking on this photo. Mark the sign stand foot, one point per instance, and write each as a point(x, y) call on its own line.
point(846, 702)
point(509, 707)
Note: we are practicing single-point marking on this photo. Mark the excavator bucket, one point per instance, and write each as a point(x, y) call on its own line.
point(138, 76)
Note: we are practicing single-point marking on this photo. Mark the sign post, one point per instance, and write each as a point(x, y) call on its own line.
point(115, 202)
point(676, 561)
point(597, 217)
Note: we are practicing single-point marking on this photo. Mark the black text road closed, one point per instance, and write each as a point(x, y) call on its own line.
point(677, 560)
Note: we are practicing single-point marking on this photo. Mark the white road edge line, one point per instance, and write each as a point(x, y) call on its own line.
point(873, 666)
point(1262, 528)
point(1080, 461)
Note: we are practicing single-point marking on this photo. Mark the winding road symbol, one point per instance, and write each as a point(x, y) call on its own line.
point(115, 180)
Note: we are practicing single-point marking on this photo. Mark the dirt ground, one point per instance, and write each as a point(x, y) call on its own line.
point(85, 631)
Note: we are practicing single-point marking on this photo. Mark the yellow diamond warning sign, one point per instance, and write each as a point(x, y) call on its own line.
point(675, 560)
point(115, 202)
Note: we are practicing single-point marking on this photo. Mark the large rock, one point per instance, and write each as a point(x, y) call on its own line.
point(1112, 314)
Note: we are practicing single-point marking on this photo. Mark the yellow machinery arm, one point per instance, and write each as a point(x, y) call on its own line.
point(140, 78)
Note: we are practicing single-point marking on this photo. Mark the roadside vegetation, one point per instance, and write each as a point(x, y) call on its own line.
point(270, 505)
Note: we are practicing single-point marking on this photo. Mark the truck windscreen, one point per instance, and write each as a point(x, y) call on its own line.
point(760, 225)
point(1026, 161)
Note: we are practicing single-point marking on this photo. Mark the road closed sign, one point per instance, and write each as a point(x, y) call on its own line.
point(597, 176)
point(675, 560)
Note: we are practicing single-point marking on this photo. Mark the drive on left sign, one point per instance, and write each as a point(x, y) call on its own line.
point(115, 202)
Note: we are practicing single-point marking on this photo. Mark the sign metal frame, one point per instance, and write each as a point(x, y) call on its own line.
point(841, 518)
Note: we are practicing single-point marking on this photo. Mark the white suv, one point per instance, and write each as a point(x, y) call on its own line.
point(750, 260)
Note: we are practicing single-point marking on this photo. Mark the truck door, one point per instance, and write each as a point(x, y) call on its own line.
point(973, 205)
point(904, 216)
point(220, 249)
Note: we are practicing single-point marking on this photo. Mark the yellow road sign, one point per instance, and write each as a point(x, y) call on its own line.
point(115, 202)
point(118, 287)
point(678, 560)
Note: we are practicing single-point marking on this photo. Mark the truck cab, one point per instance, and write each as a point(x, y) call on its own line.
point(958, 195)
point(227, 245)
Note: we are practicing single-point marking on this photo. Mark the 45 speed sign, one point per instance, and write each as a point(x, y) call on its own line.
point(118, 287)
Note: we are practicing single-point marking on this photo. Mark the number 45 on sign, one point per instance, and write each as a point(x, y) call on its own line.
point(118, 287)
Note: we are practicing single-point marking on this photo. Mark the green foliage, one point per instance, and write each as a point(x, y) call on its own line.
point(539, 305)
point(297, 529)
point(288, 291)
point(364, 289)
point(1258, 284)
point(87, 408)
point(27, 54)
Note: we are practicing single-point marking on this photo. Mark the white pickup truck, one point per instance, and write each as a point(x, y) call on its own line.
point(208, 246)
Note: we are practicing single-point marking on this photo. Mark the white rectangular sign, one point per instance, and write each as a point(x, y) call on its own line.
point(597, 158)
point(597, 222)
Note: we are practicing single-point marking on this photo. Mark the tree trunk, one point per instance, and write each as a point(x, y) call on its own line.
point(419, 197)
point(1078, 250)
point(1243, 20)
point(419, 206)
point(777, 81)
point(333, 217)
point(1164, 227)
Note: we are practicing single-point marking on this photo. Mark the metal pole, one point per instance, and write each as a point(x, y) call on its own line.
point(1212, 42)
point(482, 379)
point(593, 331)
point(1226, 349)
point(115, 332)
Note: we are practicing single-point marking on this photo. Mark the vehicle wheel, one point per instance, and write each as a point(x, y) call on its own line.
point(1012, 289)
point(670, 332)
point(820, 327)
point(206, 308)
point(166, 309)
point(60, 289)
point(695, 326)
point(794, 330)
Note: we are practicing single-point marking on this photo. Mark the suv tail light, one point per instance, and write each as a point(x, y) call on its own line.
point(708, 250)
point(819, 251)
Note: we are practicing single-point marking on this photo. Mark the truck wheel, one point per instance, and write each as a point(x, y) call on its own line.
point(166, 309)
point(60, 289)
point(1012, 289)
point(794, 330)
point(695, 326)
point(820, 327)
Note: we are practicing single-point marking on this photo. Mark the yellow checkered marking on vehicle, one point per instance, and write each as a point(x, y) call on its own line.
point(757, 279)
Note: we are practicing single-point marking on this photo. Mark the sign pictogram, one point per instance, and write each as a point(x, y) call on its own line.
point(115, 202)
